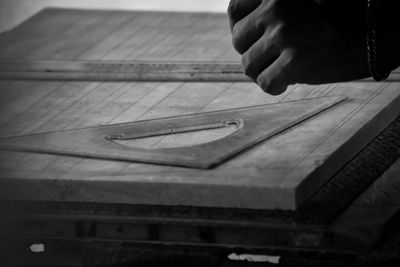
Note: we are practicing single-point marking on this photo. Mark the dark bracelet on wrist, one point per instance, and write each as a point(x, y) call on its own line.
point(371, 34)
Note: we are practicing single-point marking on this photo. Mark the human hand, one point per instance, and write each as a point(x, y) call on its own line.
point(283, 42)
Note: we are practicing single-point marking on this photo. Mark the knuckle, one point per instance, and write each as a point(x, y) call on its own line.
point(280, 6)
point(240, 38)
point(244, 34)
point(274, 3)
point(258, 22)
point(232, 8)
point(291, 57)
point(274, 7)
point(282, 29)
point(236, 42)
point(283, 33)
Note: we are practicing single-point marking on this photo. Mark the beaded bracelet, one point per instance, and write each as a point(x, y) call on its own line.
point(372, 14)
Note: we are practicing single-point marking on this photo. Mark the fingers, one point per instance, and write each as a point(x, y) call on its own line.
point(259, 57)
point(284, 42)
point(238, 9)
point(247, 31)
point(278, 76)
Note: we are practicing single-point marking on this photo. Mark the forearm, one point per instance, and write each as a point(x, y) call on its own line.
point(388, 26)
point(345, 16)
point(388, 35)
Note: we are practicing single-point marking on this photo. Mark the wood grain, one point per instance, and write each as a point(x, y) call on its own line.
point(250, 127)
point(281, 173)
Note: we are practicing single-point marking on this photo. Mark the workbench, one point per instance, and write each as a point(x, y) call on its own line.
point(304, 199)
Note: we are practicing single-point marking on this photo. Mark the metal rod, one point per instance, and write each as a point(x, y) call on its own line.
point(100, 70)
point(120, 70)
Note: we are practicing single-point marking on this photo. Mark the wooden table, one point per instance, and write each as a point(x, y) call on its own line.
point(100, 199)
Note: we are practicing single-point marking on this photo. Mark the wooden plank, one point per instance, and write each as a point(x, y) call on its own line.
point(280, 173)
point(46, 106)
point(114, 142)
point(35, 32)
point(13, 104)
point(250, 229)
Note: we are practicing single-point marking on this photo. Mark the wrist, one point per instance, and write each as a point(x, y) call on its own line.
point(388, 35)
point(374, 27)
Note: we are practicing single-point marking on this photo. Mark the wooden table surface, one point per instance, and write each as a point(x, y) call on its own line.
point(279, 173)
